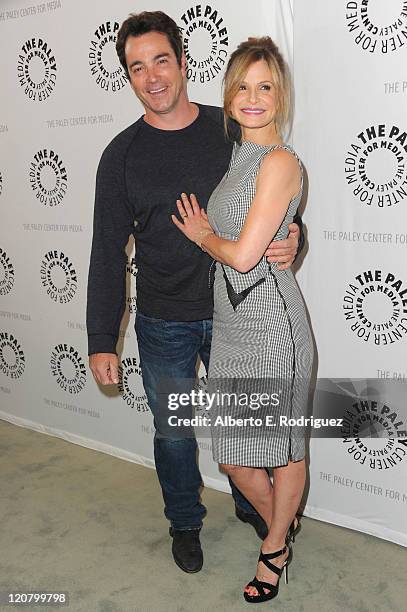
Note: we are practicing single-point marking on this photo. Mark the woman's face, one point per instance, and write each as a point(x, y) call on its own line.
point(254, 104)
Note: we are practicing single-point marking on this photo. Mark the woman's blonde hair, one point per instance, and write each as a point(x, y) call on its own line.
point(247, 53)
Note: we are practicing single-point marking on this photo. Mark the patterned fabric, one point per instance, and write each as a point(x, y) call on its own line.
point(264, 345)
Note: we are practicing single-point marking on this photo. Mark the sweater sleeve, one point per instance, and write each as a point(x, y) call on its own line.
point(301, 241)
point(113, 222)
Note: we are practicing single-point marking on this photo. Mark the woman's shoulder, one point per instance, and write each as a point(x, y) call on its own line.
point(283, 151)
point(282, 158)
point(281, 167)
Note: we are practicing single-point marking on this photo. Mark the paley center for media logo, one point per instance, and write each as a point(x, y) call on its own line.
point(102, 57)
point(206, 42)
point(6, 273)
point(377, 26)
point(59, 277)
point(12, 358)
point(376, 165)
point(375, 307)
point(48, 177)
point(131, 270)
point(68, 368)
point(37, 69)
point(374, 434)
point(131, 385)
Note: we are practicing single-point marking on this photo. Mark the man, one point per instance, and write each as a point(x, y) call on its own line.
point(177, 146)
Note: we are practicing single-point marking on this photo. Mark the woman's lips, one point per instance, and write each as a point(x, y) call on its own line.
point(252, 111)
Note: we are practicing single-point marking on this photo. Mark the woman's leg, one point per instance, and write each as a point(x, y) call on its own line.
point(289, 482)
point(255, 485)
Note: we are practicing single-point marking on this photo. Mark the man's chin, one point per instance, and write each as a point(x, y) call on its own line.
point(161, 109)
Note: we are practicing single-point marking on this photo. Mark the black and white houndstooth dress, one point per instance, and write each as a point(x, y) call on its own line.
point(261, 339)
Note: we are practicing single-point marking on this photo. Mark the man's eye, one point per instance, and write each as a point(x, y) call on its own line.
point(162, 61)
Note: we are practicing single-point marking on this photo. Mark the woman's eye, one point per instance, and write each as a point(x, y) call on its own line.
point(266, 87)
point(242, 87)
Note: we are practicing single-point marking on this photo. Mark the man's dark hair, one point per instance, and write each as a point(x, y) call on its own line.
point(142, 23)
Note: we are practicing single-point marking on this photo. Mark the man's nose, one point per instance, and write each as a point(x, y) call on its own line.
point(152, 74)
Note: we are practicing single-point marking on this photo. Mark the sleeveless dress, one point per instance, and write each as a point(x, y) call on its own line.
point(261, 340)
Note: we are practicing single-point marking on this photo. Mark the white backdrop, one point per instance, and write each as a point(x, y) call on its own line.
point(66, 98)
point(351, 94)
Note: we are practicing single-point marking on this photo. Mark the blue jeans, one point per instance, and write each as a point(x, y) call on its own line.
point(169, 349)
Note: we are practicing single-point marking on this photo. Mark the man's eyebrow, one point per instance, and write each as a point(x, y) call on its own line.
point(155, 58)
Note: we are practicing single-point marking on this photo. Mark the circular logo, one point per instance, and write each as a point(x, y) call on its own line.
point(371, 433)
point(201, 404)
point(12, 360)
point(376, 166)
point(37, 69)
point(131, 277)
point(376, 26)
point(103, 63)
point(375, 307)
point(48, 177)
point(206, 42)
point(6, 273)
point(59, 277)
point(131, 385)
point(68, 368)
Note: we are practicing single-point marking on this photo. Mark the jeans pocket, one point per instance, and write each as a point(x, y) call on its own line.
point(149, 319)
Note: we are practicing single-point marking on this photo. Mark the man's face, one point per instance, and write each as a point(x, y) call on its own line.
point(155, 75)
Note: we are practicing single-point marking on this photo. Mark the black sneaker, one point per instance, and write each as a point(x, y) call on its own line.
point(186, 549)
point(255, 520)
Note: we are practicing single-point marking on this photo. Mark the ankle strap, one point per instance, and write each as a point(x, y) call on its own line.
point(272, 555)
point(264, 558)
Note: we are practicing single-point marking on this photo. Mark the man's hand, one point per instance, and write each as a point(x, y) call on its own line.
point(104, 368)
point(283, 252)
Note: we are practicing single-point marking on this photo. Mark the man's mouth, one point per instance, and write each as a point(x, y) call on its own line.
point(157, 91)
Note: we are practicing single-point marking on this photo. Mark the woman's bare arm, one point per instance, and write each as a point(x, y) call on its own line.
point(278, 182)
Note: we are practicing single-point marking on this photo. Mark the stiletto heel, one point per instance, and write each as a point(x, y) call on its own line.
point(293, 531)
point(261, 585)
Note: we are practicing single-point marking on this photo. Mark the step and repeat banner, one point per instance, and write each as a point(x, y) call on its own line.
point(351, 131)
point(65, 96)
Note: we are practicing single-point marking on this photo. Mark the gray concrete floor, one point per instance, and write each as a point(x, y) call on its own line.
point(77, 520)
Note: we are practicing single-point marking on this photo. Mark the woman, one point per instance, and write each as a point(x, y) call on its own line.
point(260, 330)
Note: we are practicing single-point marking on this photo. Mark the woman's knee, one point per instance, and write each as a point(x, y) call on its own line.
point(231, 470)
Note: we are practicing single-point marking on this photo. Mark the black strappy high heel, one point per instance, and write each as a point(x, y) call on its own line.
point(260, 585)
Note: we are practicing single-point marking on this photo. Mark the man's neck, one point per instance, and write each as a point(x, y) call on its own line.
point(178, 118)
